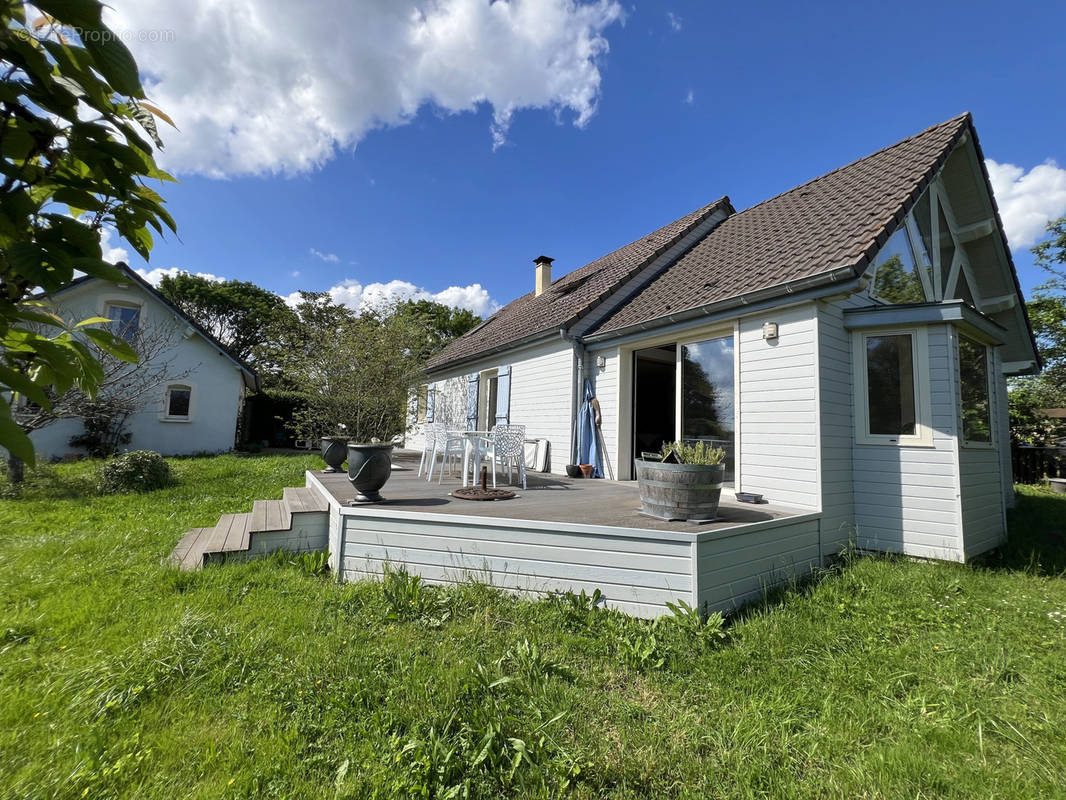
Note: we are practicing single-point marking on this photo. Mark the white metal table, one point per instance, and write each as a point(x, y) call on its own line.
point(473, 448)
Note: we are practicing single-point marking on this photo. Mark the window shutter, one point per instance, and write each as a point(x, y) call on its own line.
point(431, 398)
point(503, 396)
point(471, 401)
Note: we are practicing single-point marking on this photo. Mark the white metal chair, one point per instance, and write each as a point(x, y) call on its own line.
point(451, 444)
point(508, 449)
point(429, 433)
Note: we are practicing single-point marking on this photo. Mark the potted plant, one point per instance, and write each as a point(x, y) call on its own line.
point(683, 482)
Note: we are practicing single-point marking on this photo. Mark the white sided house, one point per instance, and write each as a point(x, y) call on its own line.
point(847, 342)
point(195, 389)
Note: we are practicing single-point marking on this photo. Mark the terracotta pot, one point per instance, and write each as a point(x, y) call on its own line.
point(334, 451)
point(586, 470)
point(369, 466)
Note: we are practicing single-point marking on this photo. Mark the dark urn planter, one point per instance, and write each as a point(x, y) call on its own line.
point(369, 466)
point(687, 492)
point(334, 451)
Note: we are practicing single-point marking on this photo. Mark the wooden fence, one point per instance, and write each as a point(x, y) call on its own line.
point(1033, 464)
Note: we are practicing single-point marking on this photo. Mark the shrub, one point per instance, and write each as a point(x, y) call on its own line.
point(139, 471)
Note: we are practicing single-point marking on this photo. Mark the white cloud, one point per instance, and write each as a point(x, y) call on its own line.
point(329, 258)
point(1027, 200)
point(112, 252)
point(354, 295)
point(690, 98)
point(269, 87)
point(154, 276)
point(674, 20)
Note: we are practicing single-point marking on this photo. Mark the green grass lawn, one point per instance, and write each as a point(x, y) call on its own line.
point(120, 677)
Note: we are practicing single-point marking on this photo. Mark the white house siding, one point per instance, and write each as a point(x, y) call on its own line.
point(907, 498)
point(837, 421)
point(607, 386)
point(981, 479)
point(737, 567)
point(999, 381)
point(541, 396)
point(778, 399)
point(637, 571)
point(217, 384)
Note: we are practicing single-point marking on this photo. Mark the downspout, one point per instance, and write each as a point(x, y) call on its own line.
point(575, 397)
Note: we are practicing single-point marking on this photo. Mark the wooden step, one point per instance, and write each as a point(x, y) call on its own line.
point(304, 499)
point(270, 515)
point(188, 554)
point(229, 536)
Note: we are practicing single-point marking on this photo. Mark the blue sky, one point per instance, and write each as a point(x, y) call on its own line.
point(678, 104)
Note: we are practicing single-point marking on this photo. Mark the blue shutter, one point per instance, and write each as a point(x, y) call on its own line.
point(471, 402)
point(503, 396)
point(431, 397)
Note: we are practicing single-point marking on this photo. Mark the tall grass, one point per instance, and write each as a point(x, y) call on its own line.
point(120, 677)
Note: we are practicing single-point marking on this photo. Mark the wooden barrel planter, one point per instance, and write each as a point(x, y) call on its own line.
point(687, 492)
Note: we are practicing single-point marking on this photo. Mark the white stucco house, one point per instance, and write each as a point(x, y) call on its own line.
point(847, 341)
point(197, 389)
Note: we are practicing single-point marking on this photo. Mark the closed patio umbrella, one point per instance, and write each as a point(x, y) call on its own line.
point(587, 450)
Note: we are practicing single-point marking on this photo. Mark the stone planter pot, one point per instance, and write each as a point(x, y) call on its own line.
point(1058, 485)
point(687, 492)
point(369, 466)
point(334, 451)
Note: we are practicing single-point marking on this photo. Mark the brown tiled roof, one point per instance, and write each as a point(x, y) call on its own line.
point(572, 295)
point(838, 220)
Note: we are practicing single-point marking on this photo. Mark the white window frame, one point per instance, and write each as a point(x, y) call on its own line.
point(486, 417)
point(923, 436)
point(422, 402)
point(164, 412)
point(124, 303)
point(963, 441)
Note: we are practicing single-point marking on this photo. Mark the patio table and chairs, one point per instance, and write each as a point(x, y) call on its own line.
point(503, 446)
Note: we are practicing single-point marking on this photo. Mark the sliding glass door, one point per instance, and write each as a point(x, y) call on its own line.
point(685, 390)
point(708, 396)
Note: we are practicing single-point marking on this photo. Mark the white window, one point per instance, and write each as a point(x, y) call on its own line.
point(422, 402)
point(177, 403)
point(974, 408)
point(488, 393)
point(125, 319)
point(891, 388)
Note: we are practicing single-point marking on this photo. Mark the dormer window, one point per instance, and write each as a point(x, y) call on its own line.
point(125, 320)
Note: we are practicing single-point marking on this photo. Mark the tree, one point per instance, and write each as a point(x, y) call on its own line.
point(439, 323)
point(73, 158)
point(355, 372)
point(239, 314)
point(1047, 315)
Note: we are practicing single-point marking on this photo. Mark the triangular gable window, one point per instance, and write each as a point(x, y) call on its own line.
point(896, 278)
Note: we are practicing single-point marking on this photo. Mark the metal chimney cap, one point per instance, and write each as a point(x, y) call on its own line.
point(543, 260)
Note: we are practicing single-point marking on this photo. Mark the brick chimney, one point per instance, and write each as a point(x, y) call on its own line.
point(544, 273)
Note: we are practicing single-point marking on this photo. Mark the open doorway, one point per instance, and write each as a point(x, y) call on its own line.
point(654, 398)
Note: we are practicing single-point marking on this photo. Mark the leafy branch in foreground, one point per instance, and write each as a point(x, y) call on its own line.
point(73, 159)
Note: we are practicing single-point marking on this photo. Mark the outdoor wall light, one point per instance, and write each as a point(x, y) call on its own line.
point(769, 331)
point(601, 362)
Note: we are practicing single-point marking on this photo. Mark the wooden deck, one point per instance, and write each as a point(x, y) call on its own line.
point(234, 534)
point(547, 498)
